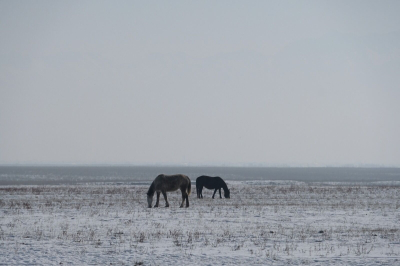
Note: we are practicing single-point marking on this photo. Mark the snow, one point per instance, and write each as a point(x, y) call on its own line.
point(264, 223)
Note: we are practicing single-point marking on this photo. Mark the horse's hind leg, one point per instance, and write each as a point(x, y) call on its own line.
point(187, 199)
point(184, 197)
point(165, 197)
point(199, 192)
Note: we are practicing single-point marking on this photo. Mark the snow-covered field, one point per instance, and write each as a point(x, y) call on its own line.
point(264, 223)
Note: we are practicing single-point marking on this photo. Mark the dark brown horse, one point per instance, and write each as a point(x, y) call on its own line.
point(211, 183)
point(164, 183)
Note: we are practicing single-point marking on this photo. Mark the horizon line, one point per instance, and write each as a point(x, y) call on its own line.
point(249, 165)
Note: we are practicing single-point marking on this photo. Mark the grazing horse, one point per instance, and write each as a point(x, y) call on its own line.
point(164, 183)
point(211, 183)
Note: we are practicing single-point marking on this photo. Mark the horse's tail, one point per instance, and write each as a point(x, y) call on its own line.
point(189, 188)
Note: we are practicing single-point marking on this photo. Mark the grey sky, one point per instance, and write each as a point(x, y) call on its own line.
point(206, 82)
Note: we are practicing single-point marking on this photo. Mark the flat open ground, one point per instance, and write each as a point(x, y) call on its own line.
point(264, 223)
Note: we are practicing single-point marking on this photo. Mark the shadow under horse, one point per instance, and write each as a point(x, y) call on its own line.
point(211, 183)
point(165, 183)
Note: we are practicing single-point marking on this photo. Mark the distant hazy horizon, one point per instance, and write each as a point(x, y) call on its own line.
point(46, 175)
point(242, 165)
point(270, 83)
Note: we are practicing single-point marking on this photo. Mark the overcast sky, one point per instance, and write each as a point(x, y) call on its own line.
point(200, 82)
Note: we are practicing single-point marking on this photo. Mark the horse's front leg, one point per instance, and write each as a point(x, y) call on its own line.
point(220, 194)
point(158, 199)
point(165, 197)
point(214, 192)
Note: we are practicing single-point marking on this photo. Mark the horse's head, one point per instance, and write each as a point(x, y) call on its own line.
point(227, 193)
point(149, 200)
point(150, 194)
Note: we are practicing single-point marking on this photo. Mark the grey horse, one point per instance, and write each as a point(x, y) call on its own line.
point(164, 183)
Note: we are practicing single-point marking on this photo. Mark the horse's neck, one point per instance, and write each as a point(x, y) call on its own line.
point(224, 186)
point(151, 190)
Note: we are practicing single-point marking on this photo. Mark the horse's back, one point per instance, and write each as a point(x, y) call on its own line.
point(209, 182)
point(171, 182)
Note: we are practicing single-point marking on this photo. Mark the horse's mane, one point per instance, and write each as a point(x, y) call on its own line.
point(151, 190)
point(224, 185)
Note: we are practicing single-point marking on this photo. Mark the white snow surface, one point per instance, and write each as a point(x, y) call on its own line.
point(263, 223)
